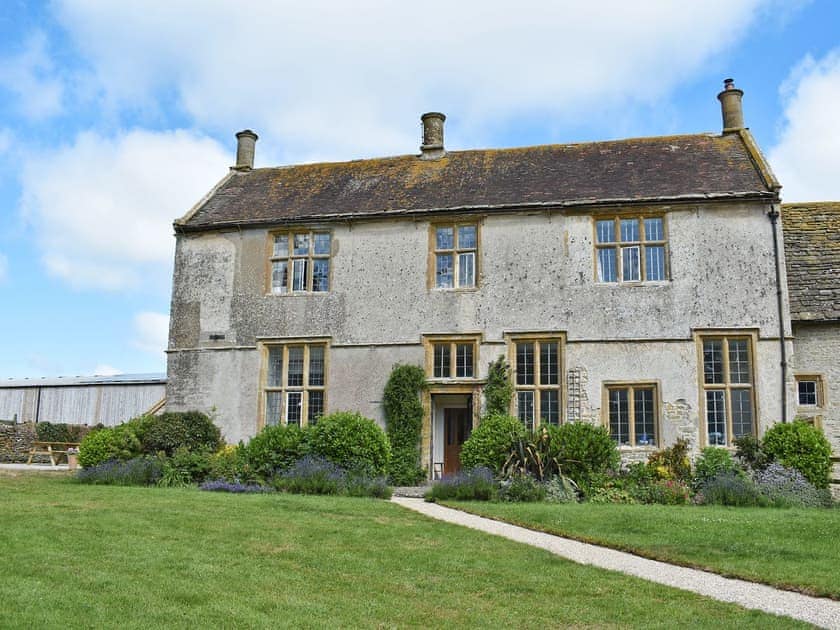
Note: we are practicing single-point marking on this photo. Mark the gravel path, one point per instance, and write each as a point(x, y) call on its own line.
point(815, 610)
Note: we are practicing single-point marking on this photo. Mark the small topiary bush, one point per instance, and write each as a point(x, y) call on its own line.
point(583, 450)
point(351, 441)
point(521, 489)
point(138, 471)
point(476, 484)
point(801, 446)
point(713, 460)
point(274, 450)
point(403, 422)
point(491, 442)
point(170, 431)
point(105, 444)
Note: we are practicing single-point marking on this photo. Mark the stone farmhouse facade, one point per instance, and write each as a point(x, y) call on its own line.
point(637, 283)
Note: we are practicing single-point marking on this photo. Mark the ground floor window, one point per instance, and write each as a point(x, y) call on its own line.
point(727, 393)
point(632, 416)
point(809, 390)
point(295, 385)
point(537, 362)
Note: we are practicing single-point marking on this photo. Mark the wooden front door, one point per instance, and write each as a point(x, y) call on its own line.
point(457, 425)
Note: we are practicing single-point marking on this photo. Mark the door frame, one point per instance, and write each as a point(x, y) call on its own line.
point(472, 391)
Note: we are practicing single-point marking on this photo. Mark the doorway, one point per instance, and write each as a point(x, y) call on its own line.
point(457, 426)
point(452, 423)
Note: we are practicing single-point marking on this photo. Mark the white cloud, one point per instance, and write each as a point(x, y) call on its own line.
point(807, 157)
point(103, 208)
point(5, 140)
point(151, 332)
point(29, 75)
point(106, 370)
point(4, 267)
point(327, 79)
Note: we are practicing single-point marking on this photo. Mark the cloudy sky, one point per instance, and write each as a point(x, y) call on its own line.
point(115, 117)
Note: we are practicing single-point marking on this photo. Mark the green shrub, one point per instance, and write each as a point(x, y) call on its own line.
point(476, 484)
point(275, 449)
point(491, 442)
point(672, 462)
point(613, 487)
point(521, 489)
point(787, 487)
point(499, 390)
point(749, 453)
point(729, 488)
point(713, 460)
point(560, 489)
point(403, 422)
point(231, 464)
point(315, 475)
point(171, 431)
point(60, 432)
point(532, 455)
point(583, 450)
point(185, 467)
point(352, 441)
point(101, 445)
point(801, 446)
point(669, 492)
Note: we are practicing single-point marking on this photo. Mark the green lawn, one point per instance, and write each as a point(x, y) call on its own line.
point(795, 549)
point(92, 556)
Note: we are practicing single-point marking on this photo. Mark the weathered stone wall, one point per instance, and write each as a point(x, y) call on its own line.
point(16, 441)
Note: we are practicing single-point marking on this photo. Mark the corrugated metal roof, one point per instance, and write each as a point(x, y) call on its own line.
point(154, 378)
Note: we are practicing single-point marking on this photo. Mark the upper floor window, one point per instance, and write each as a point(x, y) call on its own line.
point(455, 255)
point(300, 262)
point(451, 357)
point(809, 391)
point(728, 396)
point(295, 383)
point(537, 373)
point(630, 249)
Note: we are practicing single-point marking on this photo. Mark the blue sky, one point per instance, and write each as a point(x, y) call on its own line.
point(115, 117)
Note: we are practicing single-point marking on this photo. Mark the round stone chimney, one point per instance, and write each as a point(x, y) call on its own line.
point(730, 105)
point(432, 147)
point(245, 146)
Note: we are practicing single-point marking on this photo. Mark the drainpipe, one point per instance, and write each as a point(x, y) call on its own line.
point(773, 215)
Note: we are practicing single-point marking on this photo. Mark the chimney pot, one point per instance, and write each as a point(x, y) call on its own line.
point(432, 147)
point(245, 145)
point(730, 105)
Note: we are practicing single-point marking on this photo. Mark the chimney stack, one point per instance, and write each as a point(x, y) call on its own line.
point(432, 147)
point(730, 105)
point(245, 141)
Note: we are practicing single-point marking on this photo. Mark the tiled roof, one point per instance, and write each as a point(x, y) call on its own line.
point(812, 252)
point(672, 168)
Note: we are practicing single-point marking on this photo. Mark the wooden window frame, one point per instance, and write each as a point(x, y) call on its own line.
point(537, 339)
point(631, 387)
point(284, 389)
point(455, 251)
point(642, 244)
point(429, 343)
point(820, 390)
point(291, 257)
point(727, 386)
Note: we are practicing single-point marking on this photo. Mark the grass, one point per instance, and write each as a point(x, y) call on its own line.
point(794, 549)
point(93, 556)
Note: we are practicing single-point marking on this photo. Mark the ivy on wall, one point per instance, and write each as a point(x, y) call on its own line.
point(499, 389)
point(403, 423)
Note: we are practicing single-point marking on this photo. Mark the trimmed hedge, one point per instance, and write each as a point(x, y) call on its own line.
point(352, 441)
point(275, 449)
point(190, 430)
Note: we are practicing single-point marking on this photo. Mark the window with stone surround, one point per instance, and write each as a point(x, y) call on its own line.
point(632, 413)
point(809, 390)
point(728, 396)
point(454, 255)
point(451, 357)
point(300, 262)
point(537, 377)
point(630, 249)
point(295, 383)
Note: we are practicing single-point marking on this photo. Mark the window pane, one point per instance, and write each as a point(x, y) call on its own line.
point(525, 408)
point(525, 364)
point(655, 263)
point(645, 418)
point(716, 418)
point(321, 274)
point(316, 407)
point(272, 407)
point(281, 246)
point(294, 376)
point(299, 277)
point(741, 412)
point(301, 244)
point(279, 277)
point(739, 361)
point(807, 392)
point(653, 230)
point(549, 365)
point(619, 416)
point(466, 237)
point(444, 238)
point(606, 265)
point(550, 406)
point(294, 403)
point(443, 274)
point(629, 264)
point(713, 361)
point(275, 367)
point(629, 230)
point(442, 361)
point(464, 360)
point(606, 231)
point(322, 243)
point(316, 365)
point(466, 269)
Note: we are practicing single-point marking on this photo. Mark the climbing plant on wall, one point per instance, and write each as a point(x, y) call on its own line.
point(403, 422)
point(499, 389)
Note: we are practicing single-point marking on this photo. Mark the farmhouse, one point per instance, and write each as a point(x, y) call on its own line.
point(640, 284)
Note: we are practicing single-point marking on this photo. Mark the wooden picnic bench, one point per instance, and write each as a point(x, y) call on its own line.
point(54, 450)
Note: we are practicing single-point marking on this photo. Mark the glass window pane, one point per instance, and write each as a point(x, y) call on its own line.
point(742, 416)
point(316, 365)
point(444, 275)
point(321, 274)
point(550, 406)
point(281, 246)
point(629, 230)
point(739, 361)
point(294, 377)
point(464, 360)
point(466, 269)
point(316, 407)
point(466, 237)
point(655, 262)
point(444, 238)
point(294, 407)
point(619, 416)
point(525, 408)
point(807, 392)
point(713, 361)
point(549, 363)
point(653, 230)
point(630, 264)
point(525, 364)
point(716, 417)
point(644, 416)
point(301, 244)
point(299, 275)
point(272, 407)
point(275, 367)
point(280, 277)
point(442, 361)
point(606, 265)
point(322, 243)
point(606, 231)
